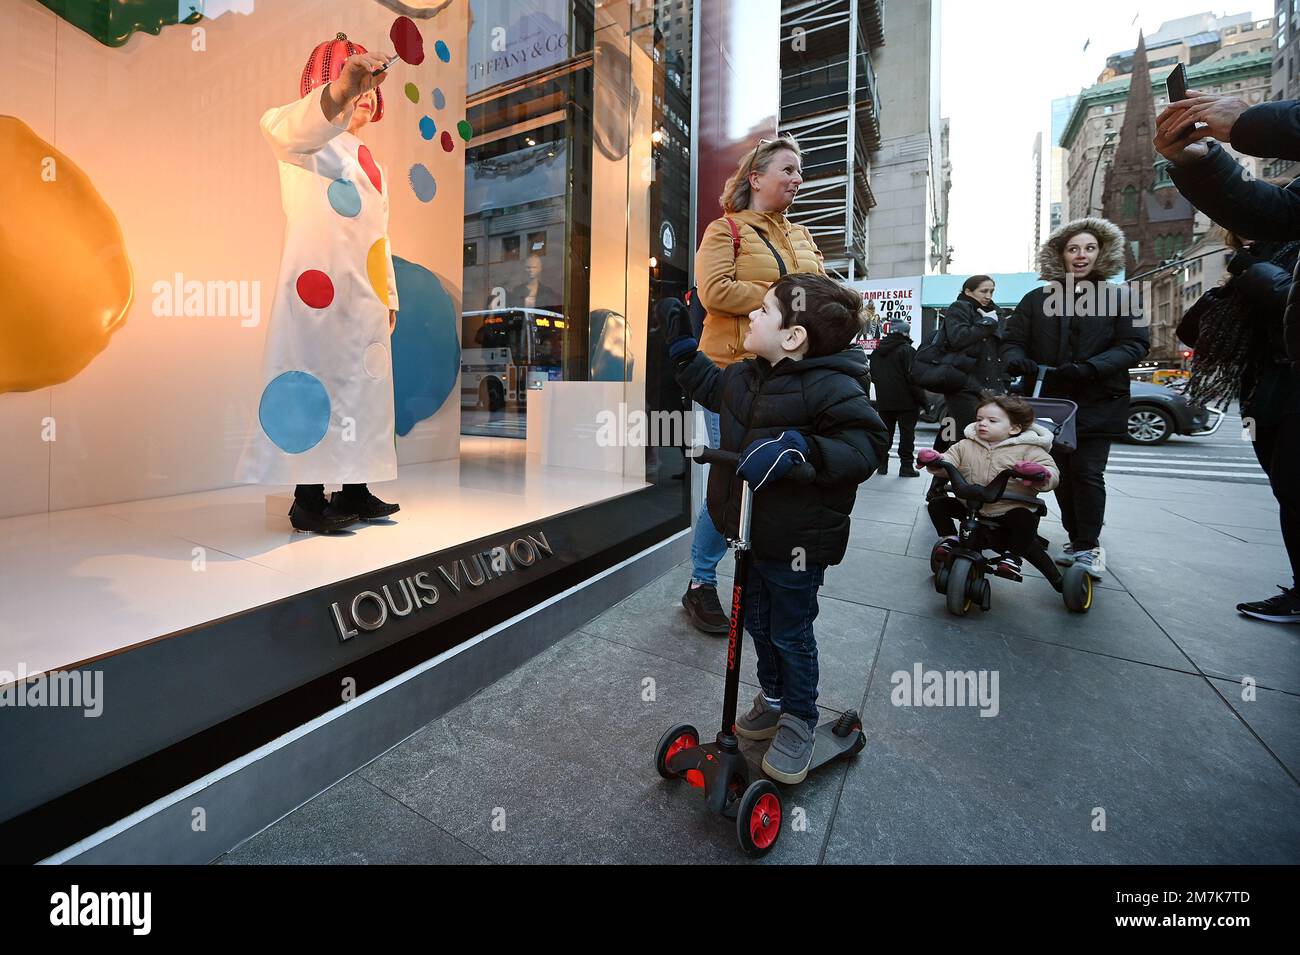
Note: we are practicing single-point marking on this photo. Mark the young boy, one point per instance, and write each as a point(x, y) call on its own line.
point(1002, 435)
point(799, 400)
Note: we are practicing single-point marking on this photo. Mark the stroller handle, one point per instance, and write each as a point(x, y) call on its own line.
point(802, 473)
point(1042, 373)
point(995, 490)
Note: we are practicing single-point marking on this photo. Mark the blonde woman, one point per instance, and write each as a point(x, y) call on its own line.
point(743, 252)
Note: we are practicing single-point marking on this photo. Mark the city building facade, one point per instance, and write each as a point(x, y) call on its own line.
point(911, 172)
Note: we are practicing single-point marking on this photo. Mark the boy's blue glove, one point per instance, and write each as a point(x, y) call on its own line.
point(676, 321)
point(770, 459)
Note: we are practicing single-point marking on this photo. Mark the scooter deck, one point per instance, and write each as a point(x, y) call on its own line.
point(827, 746)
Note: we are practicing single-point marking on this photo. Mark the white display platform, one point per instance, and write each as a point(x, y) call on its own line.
point(80, 584)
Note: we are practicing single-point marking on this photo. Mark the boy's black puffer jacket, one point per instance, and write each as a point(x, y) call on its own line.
point(822, 399)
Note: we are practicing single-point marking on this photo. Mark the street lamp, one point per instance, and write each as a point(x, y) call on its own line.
point(1110, 138)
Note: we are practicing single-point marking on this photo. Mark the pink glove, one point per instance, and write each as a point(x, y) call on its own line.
point(1031, 472)
point(927, 456)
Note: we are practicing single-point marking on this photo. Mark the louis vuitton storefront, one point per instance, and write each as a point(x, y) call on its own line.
point(501, 216)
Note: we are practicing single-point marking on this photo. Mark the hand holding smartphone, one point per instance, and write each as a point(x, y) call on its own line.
point(1176, 86)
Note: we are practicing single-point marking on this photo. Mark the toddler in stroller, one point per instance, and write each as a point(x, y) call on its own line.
point(1003, 444)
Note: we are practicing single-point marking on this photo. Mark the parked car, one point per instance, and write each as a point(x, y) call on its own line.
point(1155, 413)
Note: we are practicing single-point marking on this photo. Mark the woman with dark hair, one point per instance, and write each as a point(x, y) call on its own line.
point(1091, 332)
point(972, 330)
point(1241, 355)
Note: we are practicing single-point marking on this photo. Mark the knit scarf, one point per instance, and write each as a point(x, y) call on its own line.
point(1233, 340)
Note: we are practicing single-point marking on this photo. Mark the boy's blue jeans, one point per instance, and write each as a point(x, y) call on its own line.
point(707, 545)
point(780, 607)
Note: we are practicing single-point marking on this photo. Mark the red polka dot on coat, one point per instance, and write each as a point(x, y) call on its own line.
point(315, 288)
point(447, 143)
point(367, 162)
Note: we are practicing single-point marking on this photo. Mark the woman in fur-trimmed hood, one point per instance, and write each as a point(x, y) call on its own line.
point(1090, 332)
point(1110, 256)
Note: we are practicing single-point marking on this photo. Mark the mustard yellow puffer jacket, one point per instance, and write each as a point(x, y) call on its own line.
point(731, 287)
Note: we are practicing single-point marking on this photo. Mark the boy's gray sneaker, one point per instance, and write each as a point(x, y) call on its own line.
point(760, 722)
point(788, 758)
point(1067, 556)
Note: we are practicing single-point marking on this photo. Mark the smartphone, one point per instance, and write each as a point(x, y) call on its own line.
point(1176, 86)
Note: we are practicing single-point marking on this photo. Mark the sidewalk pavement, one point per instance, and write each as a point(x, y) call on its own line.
point(1136, 716)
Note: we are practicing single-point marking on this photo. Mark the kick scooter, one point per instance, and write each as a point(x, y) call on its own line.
point(731, 789)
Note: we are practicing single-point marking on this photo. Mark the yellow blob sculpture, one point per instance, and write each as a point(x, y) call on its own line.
point(65, 282)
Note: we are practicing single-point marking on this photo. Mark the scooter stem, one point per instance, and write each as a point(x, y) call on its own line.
point(736, 629)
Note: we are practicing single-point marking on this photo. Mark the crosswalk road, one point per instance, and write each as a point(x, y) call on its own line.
point(1185, 460)
point(1222, 456)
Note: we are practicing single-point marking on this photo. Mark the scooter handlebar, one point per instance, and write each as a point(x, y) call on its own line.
point(802, 473)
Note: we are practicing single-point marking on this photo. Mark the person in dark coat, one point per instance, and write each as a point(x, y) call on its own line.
point(1214, 183)
point(972, 330)
point(797, 401)
point(898, 399)
point(1091, 332)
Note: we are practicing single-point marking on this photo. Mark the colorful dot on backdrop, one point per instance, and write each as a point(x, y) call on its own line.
point(428, 127)
point(447, 143)
point(367, 163)
point(426, 354)
point(412, 92)
point(444, 54)
point(423, 184)
point(439, 101)
point(344, 198)
point(315, 288)
point(407, 42)
point(295, 411)
point(465, 129)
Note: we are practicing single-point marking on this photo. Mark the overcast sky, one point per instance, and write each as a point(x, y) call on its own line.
point(1002, 64)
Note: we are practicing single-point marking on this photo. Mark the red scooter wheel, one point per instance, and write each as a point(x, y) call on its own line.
point(758, 821)
point(679, 737)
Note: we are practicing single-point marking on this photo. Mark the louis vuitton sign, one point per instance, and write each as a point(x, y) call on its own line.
point(371, 609)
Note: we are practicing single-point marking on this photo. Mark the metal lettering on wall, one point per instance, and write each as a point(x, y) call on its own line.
point(371, 609)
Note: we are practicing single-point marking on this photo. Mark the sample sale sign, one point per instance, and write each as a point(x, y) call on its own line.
point(886, 301)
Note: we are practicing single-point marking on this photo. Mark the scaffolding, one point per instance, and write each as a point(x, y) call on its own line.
point(829, 104)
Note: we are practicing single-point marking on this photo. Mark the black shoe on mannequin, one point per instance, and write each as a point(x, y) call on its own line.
point(312, 513)
point(357, 499)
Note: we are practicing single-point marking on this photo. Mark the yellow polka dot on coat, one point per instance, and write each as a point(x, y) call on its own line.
point(377, 268)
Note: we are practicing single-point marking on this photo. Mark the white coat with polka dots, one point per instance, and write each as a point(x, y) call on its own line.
point(325, 413)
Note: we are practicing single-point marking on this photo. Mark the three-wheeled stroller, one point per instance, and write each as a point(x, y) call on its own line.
point(961, 570)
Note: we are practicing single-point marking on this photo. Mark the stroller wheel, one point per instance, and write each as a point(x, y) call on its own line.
point(1076, 589)
point(941, 579)
point(938, 556)
point(961, 575)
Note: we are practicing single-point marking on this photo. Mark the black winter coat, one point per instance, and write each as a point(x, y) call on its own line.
point(891, 370)
point(1249, 206)
point(818, 397)
point(1102, 327)
point(965, 332)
